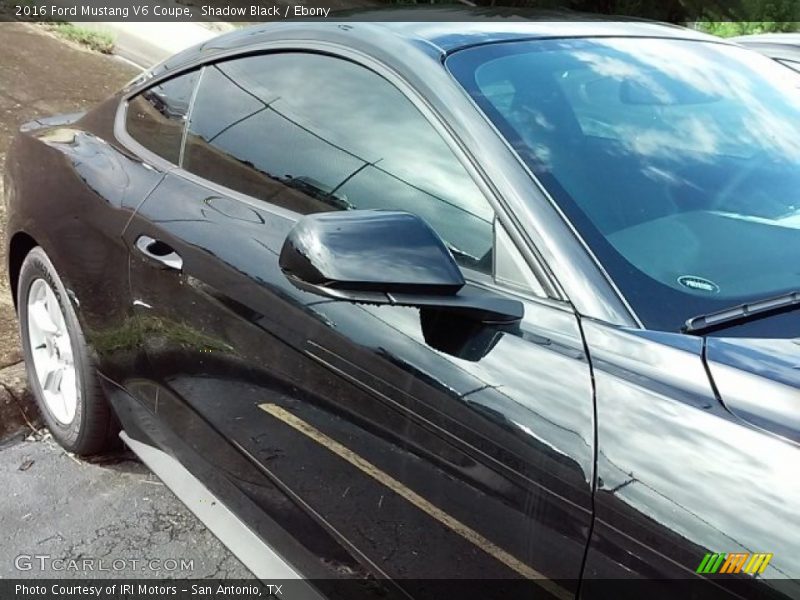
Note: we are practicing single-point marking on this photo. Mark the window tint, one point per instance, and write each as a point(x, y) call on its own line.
point(156, 117)
point(313, 133)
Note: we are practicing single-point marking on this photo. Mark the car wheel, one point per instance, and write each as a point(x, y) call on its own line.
point(59, 366)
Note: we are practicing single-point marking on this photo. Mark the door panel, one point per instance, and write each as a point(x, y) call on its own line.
point(422, 464)
point(679, 477)
point(431, 447)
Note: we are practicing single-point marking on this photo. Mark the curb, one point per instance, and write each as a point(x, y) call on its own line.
point(18, 411)
point(146, 44)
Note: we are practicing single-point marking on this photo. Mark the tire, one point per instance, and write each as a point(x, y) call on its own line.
point(56, 355)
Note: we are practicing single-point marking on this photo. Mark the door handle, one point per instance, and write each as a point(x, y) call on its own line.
point(159, 251)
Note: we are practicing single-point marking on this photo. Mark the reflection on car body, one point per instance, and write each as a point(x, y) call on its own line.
point(781, 47)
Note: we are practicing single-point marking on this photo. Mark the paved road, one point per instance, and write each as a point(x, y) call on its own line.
point(52, 504)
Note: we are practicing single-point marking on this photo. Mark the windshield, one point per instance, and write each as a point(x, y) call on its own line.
point(677, 161)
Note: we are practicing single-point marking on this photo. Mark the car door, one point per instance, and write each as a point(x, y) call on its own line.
point(431, 446)
point(106, 184)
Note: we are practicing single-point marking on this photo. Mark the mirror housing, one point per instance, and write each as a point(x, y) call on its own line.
point(369, 251)
point(383, 257)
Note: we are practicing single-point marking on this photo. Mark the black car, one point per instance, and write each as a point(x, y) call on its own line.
point(409, 304)
point(782, 47)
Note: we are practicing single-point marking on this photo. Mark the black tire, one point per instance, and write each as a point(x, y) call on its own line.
point(93, 428)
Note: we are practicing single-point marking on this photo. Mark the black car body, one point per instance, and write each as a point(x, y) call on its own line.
point(396, 437)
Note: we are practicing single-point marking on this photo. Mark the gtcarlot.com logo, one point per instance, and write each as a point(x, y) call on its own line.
point(46, 562)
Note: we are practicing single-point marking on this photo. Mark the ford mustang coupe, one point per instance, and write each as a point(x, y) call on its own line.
point(394, 307)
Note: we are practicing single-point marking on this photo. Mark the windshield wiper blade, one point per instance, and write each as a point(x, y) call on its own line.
point(743, 313)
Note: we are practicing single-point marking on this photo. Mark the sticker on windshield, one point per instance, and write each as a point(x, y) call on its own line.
point(698, 284)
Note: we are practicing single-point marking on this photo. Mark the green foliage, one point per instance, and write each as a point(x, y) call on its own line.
point(734, 28)
point(743, 17)
point(100, 41)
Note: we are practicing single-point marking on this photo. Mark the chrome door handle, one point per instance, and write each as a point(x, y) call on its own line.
point(159, 251)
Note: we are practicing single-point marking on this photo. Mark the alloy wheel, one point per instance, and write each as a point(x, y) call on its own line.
point(51, 350)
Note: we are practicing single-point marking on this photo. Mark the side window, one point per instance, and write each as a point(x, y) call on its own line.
point(314, 133)
point(156, 117)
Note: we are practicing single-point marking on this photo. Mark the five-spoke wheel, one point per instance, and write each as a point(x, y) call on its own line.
point(52, 351)
point(59, 364)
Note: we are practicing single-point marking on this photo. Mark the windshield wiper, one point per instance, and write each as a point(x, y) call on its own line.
point(743, 313)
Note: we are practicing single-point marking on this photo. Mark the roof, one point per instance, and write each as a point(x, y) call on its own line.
point(780, 46)
point(439, 30)
point(451, 28)
point(790, 39)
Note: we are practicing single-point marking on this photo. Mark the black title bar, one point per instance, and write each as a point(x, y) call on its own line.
point(243, 11)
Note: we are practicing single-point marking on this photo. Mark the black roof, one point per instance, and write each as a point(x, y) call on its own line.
point(449, 28)
point(789, 39)
point(439, 30)
point(780, 46)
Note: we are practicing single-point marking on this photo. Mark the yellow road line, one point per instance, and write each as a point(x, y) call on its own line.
point(421, 503)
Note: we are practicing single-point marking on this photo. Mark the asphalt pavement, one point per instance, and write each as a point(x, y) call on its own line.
point(63, 517)
point(111, 511)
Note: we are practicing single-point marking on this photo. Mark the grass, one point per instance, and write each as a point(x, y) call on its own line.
point(99, 41)
point(734, 28)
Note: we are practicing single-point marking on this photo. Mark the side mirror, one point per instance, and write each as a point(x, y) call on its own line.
point(384, 257)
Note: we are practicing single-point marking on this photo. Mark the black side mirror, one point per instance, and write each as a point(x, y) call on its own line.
point(384, 257)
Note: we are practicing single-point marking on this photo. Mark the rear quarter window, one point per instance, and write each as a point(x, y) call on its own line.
point(156, 117)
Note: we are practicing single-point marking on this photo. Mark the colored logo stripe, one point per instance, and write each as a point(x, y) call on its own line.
point(734, 562)
point(711, 563)
point(757, 563)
